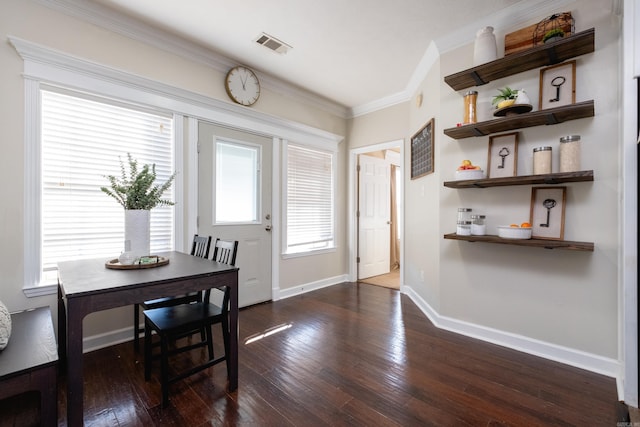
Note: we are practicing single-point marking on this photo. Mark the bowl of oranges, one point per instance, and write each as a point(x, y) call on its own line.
point(468, 170)
point(515, 231)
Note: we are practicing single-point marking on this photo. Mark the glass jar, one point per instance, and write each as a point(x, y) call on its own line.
point(470, 111)
point(478, 226)
point(463, 228)
point(464, 214)
point(541, 160)
point(570, 153)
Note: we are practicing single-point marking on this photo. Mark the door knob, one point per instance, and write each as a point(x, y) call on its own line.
point(268, 228)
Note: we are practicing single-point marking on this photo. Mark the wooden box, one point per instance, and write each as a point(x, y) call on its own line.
point(523, 39)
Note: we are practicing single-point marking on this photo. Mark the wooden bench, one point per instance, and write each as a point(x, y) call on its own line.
point(29, 362)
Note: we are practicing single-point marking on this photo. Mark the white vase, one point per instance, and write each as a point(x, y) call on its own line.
point(5, 326)
point(136, 230)
point(485, 48)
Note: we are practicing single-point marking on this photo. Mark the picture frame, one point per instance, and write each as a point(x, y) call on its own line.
point(502, 160)
point(557, 85)
point(422, 150)
point(547, 212)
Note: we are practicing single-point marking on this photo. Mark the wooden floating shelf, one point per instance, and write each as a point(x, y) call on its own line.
point(539, 56)
point(538, 243)
point(551, 178)
point(549, 116)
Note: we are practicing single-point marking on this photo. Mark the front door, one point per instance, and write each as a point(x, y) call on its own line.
point(234, 202)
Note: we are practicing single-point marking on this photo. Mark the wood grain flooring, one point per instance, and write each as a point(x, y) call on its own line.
point(350, 354)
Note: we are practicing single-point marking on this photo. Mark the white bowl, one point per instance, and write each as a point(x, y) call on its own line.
point(507, 232)
point(470, 174)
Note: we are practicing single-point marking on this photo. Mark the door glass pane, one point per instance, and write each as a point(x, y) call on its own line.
point(237, 183)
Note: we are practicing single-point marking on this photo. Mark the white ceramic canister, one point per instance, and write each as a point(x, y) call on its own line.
point(485, 48)
point(541, 160)
point(463, 228)
point(570, 153)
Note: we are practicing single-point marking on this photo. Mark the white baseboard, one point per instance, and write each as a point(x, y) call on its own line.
point(96, 342)
point(308, 287)
point(579, 359)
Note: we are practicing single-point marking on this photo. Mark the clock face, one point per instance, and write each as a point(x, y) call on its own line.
point(242, 85)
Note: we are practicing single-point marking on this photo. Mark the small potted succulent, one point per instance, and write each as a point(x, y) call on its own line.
point(506, 98)
point(553, 35)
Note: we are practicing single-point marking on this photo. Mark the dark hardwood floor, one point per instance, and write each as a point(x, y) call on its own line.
point(351, 354)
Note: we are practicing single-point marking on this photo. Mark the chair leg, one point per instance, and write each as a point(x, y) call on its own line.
point(209, 342)
point(147, 352)
point(136, 327)
point(164, 370)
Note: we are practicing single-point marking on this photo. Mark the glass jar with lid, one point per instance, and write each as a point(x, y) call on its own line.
point(478, 226)
point(570, 153)
point(463, 228)
point(541, 160)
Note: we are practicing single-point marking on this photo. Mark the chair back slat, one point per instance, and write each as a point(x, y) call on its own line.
point(224, 251)
point(201, 246)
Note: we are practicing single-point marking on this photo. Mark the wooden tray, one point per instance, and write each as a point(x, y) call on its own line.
point(115, 264)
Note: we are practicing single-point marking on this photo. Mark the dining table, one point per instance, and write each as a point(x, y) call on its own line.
point(91, 285)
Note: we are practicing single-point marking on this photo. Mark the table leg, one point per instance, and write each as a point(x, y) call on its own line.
point(233, 342)
point(75, 409)
point(62, 331)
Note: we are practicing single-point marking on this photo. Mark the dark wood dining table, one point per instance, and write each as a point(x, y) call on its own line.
point(87, 286)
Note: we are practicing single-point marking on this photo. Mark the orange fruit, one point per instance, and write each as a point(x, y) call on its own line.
point(514, 225)
point(525, 224)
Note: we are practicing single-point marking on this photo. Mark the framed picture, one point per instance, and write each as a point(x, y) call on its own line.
point(503, 155)
point(547, 212)
point(558, 85)
point(422, 151)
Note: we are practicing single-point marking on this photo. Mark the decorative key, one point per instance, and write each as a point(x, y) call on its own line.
point(504, 152)
point(557, 82)
point(549, 204)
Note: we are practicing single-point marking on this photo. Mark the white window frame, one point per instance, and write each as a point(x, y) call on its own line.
point(259, 178)
point(333, 150)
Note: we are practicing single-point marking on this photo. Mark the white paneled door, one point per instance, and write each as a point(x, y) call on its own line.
point(234, 202)
point(374, 221)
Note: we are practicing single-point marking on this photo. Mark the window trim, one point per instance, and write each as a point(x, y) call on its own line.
point(34, 284)
point(333, 150)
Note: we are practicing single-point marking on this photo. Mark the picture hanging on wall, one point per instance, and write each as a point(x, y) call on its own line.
point(422, 151)
point(558, 85)
point(503, 155)
point(547, 212)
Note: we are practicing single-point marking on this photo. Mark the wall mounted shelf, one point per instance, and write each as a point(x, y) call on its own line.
point(540, 56)
point(538, 243)
point(550, 116)
point(551, 178)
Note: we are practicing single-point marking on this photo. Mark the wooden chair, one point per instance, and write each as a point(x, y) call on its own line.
point(174, 322)
point(200, 248)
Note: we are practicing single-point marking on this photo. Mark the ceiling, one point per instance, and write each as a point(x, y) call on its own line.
point(353, 53)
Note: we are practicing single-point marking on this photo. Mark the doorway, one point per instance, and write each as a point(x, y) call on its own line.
point(376, 197)
point(234, 202)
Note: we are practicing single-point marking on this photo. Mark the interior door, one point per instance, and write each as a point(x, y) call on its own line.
point(374, 218)
point(234, 202)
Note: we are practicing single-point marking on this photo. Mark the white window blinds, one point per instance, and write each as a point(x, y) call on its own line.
point(310, 199)
point(82, 140)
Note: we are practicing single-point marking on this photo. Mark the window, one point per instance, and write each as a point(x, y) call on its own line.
point(237, 183)
point(83, 139)
point(309, 212)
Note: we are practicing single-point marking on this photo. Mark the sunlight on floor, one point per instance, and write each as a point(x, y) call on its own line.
point(267, 332)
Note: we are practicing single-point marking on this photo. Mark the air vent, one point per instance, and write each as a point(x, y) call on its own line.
point(273, 43)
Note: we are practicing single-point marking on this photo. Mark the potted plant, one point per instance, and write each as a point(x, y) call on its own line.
point(506, 98)
point(137, 192)
point(552, 35)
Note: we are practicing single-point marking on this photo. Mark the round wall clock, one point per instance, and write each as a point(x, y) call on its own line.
point(242, 85)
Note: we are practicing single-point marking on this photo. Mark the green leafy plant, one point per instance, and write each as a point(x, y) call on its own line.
point(136, 189)
point(506, 93)
point(556, 32)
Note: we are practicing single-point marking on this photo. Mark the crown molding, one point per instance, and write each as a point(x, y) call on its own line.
point(135, 29)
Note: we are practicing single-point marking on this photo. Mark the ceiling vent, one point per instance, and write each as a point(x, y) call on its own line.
point(273, 43)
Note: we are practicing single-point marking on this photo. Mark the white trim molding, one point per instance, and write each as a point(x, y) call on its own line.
point(568, 356)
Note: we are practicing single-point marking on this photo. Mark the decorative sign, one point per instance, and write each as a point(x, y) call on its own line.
point(422, 151)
